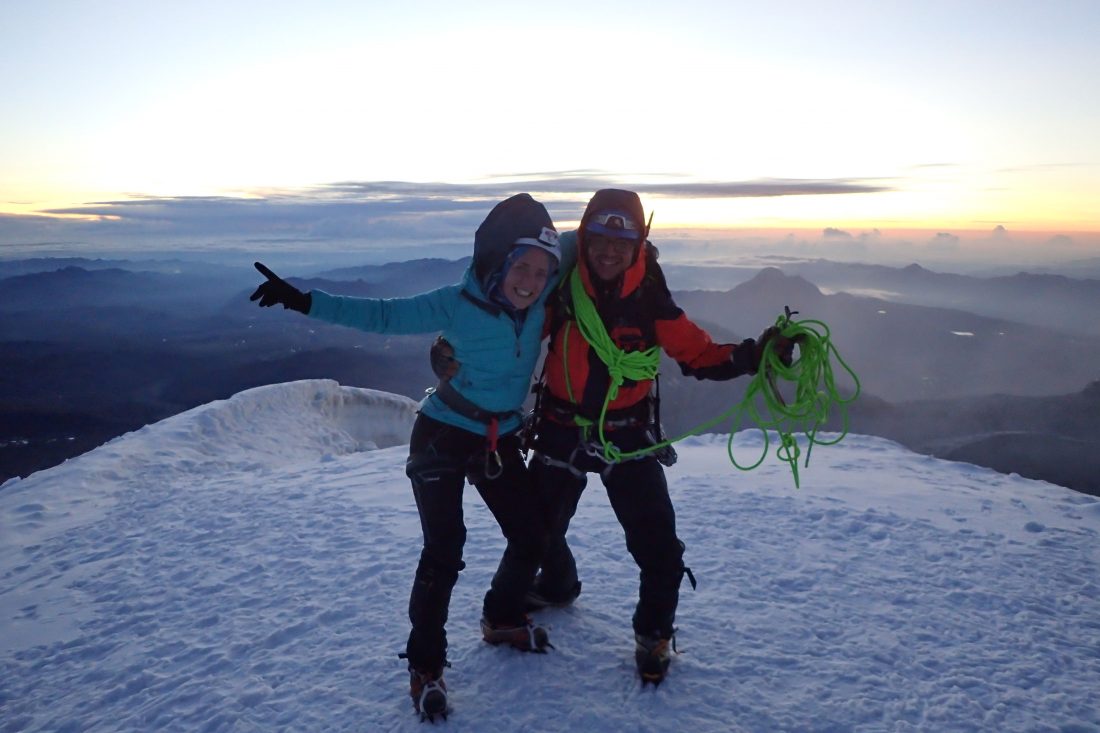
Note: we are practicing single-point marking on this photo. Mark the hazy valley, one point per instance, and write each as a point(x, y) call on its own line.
point(999, 371)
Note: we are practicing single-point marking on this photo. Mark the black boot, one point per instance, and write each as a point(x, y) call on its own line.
point(652, 654)
point(429, 693)
point(525, 636)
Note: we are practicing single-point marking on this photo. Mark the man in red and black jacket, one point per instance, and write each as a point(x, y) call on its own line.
point(619, 271)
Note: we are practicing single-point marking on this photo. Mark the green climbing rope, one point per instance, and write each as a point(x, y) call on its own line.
point(811, 373)
point(815, 394)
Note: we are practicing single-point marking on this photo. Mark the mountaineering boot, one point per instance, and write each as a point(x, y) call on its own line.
point(429, 694)
point(652, 654)
point(536, 598)
point(525, 636)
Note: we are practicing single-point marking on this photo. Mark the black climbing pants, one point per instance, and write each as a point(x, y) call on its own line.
point(441, 459)
point(639, 496)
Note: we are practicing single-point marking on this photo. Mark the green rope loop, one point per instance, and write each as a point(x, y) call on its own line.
point(815, 393)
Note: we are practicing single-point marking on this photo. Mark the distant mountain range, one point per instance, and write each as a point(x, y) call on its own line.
point(1054, 301)
point(992, 370)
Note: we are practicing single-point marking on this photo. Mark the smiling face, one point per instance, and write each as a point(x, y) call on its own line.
point(526, 278)
point(608, 257)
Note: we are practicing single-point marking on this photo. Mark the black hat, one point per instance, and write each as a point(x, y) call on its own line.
point(515, 220)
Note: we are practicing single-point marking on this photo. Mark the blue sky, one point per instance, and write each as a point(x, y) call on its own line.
point(890, 116)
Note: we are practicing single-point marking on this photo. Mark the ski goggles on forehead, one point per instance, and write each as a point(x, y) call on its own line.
point(613, 224)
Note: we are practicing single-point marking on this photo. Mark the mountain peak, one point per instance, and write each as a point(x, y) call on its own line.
point(1092, 391)
point(771, 281)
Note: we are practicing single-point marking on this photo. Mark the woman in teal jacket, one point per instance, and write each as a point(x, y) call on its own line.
point(468, 427)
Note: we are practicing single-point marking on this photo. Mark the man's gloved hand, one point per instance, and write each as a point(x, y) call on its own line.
point(443, 359)
point(781, 345)
point(277, 290)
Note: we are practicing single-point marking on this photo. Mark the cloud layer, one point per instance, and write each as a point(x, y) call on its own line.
point(384, 220)
point(383, 211)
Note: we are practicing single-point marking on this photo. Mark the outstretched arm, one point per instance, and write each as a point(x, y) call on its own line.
point(431, 311)
point(695, 351)
point(700, 357)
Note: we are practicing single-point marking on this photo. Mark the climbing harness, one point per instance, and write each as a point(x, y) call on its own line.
point(451, 397)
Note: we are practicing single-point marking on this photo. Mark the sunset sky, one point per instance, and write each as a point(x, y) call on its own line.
point(954, 116)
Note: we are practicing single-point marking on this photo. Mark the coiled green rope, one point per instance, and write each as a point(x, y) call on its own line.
point(815, 394)
point(811, 373)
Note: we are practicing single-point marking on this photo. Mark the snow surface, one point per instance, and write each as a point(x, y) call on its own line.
point(245, 566)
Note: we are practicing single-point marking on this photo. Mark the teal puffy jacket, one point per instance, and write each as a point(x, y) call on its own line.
point(497, 358)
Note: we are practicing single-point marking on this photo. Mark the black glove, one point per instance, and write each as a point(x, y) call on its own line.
point(443, 359)
point(781, 345)
point(278, 290)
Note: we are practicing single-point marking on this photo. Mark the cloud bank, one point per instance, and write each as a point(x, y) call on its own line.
point(382, 221)
point(380, 211)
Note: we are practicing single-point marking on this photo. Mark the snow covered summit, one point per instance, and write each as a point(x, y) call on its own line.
point(245, 566)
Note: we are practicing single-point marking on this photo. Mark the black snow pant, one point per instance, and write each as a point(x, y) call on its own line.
point(441, 458)
point(639, 496)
